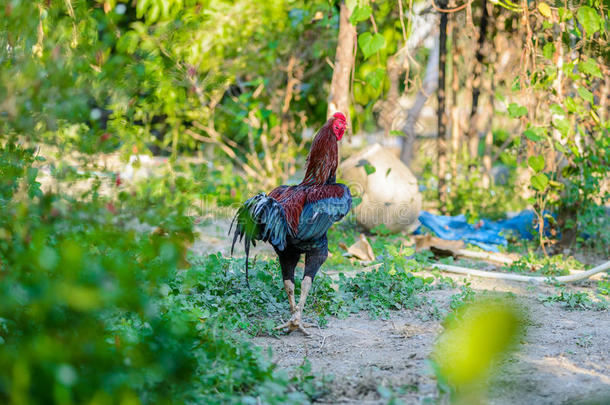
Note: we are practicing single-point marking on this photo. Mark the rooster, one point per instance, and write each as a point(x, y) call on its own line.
point(295, 219)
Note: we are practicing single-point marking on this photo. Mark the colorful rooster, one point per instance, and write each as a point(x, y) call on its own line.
point(295, 219)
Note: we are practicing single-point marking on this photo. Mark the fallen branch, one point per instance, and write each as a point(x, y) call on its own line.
point(517, 277)
point(490, 256)
point(577, 276)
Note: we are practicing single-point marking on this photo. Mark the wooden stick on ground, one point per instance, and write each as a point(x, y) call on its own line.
point(491, 256)
point(579, 275)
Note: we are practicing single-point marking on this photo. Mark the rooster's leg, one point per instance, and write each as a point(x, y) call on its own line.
point(313, 261)
point(288, 262)
point(289, 287)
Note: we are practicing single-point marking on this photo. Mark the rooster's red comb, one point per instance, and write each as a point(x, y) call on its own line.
point(340, 116)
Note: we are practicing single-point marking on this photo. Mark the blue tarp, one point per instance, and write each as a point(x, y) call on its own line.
point(486, 234)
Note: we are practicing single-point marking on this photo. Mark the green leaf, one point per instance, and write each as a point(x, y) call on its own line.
point(369, 43)
point(539, 181)
point(396, 133)
point(548, 50)
point(557, 109)
point(370, 169)
point(153, 13)
point(515, 110)
point(560, 147)
point(360, 13)
point(562, 125)
point(544, 9)
point(536, 163)
point(375, 78)
point(351, 4)
point(408, 251)
point(532, 136)
point(589, 19)
point(565, 14)
point(141, 7)
point(590, 67)
point(585, 94)
point(571, 105)
point(128, 43)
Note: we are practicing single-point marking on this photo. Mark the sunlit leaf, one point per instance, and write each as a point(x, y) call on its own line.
point(557, 109)
point(565, 14)
point(515, 110)
point(544, 9)
point(589, 19)
point(532, 136)
point(562, 125)
point(370, 43)
point(590, 67)
point(465, 352)
point(585, 94)
point(548, 50)
point(536, 163)
point(560, 147)
point(360, 13)
point(375, 78)
point(539, 181)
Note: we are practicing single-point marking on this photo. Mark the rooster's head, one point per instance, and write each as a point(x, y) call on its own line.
point(339, 125)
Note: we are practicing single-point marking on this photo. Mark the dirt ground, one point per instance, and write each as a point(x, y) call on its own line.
point(564, 357)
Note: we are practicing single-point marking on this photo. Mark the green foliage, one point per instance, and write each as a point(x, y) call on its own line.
point(465, 296)
point(64, 277)
point(578, 136)
point(378, 292)
point(167, 75)
point(571, 300)
point(92, 309)
point(557, 265)
point(603, 286)
point(470, 199)
point(215, 288)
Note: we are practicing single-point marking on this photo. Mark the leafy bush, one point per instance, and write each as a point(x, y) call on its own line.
point(87, 314)
point(63, 277)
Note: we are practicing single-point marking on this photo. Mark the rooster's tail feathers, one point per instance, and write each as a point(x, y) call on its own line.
point(260, 218)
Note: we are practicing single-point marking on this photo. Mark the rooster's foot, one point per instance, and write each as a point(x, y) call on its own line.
point(295, 323)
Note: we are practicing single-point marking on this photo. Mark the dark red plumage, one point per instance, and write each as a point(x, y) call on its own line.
point(323, 157)
point(321, 168)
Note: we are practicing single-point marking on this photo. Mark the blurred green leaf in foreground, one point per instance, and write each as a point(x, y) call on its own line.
point(467, 352)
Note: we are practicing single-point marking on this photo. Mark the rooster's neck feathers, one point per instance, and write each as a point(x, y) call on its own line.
point(323, 157)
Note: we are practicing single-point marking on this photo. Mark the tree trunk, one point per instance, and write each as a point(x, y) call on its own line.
point(338, 99)
point(473, 132)
point(455, 111)
point(428, 87)
point(442, 117)
point(489, 137)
